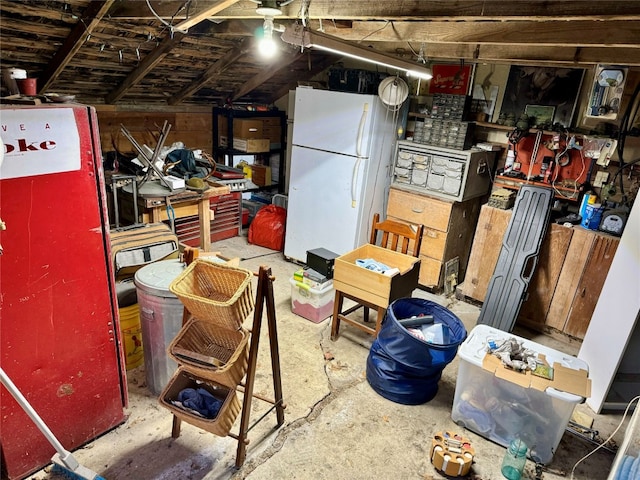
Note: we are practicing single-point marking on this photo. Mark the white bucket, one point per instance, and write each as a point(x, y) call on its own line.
point(18, 73)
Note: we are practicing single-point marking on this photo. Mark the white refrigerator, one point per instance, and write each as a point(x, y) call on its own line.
point(341, 157)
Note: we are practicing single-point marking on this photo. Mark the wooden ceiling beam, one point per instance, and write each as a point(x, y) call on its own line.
point(148, 64)
point(569, 56)
point(205, 13)
point(316, 65)
point(551, 33)
point(468, 10)
point(85, 25)
point(214, 71)
point(265, 75)
point(518, 54)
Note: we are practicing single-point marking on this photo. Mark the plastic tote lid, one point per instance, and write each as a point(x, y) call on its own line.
point(156, 277)
point(473, 350)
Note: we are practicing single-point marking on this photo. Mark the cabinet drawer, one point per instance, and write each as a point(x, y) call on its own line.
point(433, 242)
point(414, 208)
point(430, 270)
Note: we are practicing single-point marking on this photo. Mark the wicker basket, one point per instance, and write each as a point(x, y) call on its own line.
point(215, 292)
point(211, 352)
point(221, 425)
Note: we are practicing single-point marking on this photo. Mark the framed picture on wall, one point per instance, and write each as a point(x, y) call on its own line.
point(540, 116)
point(543, 86)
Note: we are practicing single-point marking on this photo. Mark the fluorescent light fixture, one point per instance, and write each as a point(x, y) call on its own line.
point(302, 37)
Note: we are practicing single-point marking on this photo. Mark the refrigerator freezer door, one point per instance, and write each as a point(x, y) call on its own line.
point(320, 210)
point(330, 121)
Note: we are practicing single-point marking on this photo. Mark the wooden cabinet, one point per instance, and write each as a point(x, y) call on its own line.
point(448, 231)
point(572, 266)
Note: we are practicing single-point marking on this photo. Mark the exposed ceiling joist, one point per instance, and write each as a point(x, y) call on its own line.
point(264, 76)
point(210, 11)
point(424, 10)
point(551, 33)
point(149, 62)
point(214, 71)
point(88, 22)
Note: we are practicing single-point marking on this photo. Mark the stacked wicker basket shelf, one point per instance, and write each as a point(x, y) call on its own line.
point(212, 349)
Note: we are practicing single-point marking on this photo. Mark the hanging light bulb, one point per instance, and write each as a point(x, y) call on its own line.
point(267, 45)
point(269, 9)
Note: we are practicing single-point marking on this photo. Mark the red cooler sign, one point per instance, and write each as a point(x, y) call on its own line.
point(450, 79)
point(38, 144)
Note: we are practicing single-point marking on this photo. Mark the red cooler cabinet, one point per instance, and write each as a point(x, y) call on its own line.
point(59, 330)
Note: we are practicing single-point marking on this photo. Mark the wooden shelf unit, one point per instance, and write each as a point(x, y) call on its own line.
point(264, 303)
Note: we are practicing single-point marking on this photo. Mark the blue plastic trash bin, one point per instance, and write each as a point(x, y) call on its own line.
point(403, 368)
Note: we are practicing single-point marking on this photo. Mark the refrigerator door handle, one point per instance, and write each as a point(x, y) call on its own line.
point(356, 167)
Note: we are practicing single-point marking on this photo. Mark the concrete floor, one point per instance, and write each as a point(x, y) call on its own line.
point(336, 426)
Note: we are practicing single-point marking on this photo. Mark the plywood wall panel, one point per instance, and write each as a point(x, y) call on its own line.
point(545, 279)
point(590, 286)
point(194, 129)
point(569, 278)
point(487, 243)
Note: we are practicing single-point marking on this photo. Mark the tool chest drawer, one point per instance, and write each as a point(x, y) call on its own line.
point(452, 175)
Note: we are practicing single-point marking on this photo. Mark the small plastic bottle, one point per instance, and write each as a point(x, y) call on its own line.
point(514, 460)
point(511, 157)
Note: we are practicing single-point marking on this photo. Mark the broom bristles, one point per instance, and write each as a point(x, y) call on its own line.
point(78, 473)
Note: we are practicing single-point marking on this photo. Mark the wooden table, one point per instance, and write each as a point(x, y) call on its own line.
point(184, 204)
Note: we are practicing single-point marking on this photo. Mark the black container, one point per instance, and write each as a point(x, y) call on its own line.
point(321, 260)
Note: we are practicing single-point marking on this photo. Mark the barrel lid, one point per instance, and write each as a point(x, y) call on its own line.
point(156, 277)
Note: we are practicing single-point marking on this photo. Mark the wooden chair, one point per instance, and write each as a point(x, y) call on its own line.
point(395, 235)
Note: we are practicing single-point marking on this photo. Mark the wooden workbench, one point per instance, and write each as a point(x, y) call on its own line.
point(184, 204)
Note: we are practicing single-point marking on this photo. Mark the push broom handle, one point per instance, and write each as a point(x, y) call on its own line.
point(65, 456)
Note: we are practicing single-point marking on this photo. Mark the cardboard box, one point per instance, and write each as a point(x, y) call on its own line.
point(271, 122)
point(261, 175)
point(247, 128)
point(272, 133)
point(502, 404)
point(374, 287)
point(251, 145)
point(223, 126)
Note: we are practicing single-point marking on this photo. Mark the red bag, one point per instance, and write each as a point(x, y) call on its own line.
point(267, 227)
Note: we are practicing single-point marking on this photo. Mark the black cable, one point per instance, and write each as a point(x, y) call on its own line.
point(259, 256)
point(622, 168)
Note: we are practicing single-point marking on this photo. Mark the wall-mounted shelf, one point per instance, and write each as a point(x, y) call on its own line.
point(560, 191)
point(532, 131)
